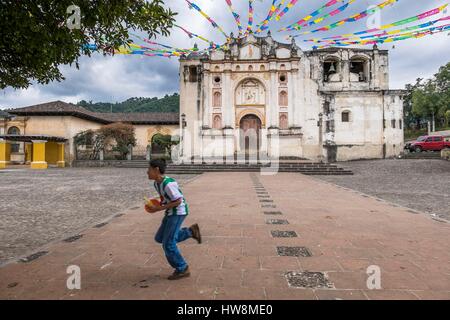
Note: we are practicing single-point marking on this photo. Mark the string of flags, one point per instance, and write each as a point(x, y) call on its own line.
point(251, 11)
point(360, 35)
point(288, 7)
point(391, 38)
point(279, 8)
point(193, 35)
point(236, 16)
point(302, 22)
point(353, 18)
point(213, 23)
point(415, 18)
point(264, 24)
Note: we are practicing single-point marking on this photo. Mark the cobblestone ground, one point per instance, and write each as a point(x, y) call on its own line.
point(332, 240)
point(418, 184)
point(38, 207)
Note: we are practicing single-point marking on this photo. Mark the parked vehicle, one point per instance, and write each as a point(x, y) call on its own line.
point(429, 143)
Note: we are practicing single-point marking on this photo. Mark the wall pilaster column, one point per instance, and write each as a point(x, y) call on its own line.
point(5, 153)
point(39, 161)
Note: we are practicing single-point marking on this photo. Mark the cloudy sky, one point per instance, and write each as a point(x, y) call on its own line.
point(112, 79)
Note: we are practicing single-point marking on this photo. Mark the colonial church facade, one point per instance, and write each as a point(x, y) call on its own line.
point(274, 100)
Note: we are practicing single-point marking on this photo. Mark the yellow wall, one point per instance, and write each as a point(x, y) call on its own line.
point(68, 127)
point(5, 154)
point(60, 126)
point(144, 133)
point(8, 151)
point(51, 152)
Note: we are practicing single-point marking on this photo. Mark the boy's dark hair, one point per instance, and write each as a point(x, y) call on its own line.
point(160, 164)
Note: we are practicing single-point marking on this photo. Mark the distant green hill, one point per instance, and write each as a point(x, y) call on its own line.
point(170, 103)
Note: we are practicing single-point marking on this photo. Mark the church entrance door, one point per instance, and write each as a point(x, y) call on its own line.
point(250, 138)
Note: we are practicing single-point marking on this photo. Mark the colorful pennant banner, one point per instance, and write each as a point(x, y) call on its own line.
point(251, 11)
point(383, 34)
point(418, 17)
point(286, 10)
point(236, 16)
point(303, 22)
point(353, 18)
point(213, 23)
point(193, 35)
point(392, 38)
point(263, 25)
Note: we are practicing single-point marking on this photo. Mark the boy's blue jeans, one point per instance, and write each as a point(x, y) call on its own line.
point(169, 234)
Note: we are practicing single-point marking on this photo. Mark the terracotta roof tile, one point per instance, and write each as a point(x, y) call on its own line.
point(63, 108)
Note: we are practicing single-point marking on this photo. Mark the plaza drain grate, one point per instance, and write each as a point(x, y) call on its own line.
point(277, 221)
point(294, 252)
point(263, 196)
point(33, 256)
point(311, 280)
point(265, 200)
point(73, 239)
point(273, 212)
point(268, 206)
point(283, 234)
point(100, 225)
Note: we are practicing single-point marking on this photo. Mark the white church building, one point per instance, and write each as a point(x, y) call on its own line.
point(271, 99)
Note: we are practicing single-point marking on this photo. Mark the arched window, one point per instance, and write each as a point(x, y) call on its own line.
point(217, 122)
point(331, 69)
point(14, 131)
point(283, 67)
point(284, 121)
point(250, 68)
point(217, 69)
point(262, 68)
point(238, 68)
point(359, 69)
point(15, 147)
point(346, 116)
point(217, 103)
point(283, 99)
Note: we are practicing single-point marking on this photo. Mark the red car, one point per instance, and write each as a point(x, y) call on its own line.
point(429, 143)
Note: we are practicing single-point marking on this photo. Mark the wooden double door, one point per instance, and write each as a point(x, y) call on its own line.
point(250, 137)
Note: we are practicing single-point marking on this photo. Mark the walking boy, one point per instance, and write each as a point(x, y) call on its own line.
point(176, 210)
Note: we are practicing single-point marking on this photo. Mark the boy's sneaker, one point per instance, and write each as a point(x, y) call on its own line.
point(179, 275)
point(195, 229)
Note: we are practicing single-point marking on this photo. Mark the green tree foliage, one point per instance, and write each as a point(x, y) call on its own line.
point(170, 103)
point(165, 142)
point(36, 39)
point(430, 99)
point(411, 118)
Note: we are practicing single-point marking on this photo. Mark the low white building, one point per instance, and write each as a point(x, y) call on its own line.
point(274, 99)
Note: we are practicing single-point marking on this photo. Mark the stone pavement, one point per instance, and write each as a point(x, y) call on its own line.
point(344, 233)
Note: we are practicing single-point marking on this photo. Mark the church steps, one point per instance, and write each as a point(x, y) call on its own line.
point(305, 168)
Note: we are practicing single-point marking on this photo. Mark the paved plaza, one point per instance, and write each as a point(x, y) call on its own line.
point(286, 236)
point(418, 184)
point(38, 207)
